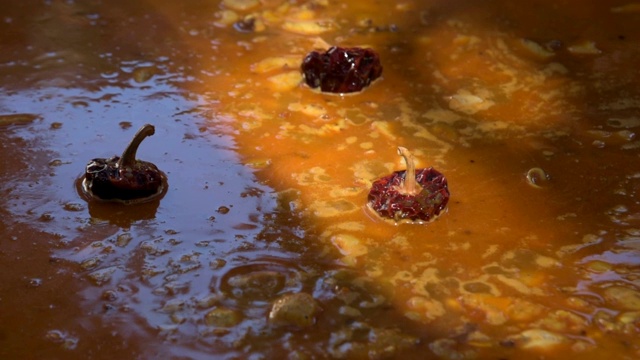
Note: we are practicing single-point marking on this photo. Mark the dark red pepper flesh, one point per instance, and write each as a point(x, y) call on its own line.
point(341, 70)
point(423, 204)
point(125, 178)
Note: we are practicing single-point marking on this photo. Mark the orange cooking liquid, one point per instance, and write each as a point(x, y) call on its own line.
point(268, 181)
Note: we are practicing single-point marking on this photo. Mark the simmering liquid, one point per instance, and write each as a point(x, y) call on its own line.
point(263, 245)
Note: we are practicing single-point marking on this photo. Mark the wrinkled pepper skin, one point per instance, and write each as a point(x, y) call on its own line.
point(341, 70)
point(125, 178)
point(388, 202)
point(109, 182)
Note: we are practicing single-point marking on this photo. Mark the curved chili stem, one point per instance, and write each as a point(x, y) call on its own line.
point(409, 185)
point(128, 158)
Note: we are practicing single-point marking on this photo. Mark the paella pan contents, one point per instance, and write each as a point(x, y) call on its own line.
point(264, 245)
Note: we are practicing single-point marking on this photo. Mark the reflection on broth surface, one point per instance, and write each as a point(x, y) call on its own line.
point(262, 246)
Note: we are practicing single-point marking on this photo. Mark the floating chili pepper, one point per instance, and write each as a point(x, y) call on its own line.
point(124, 178)
point(410, 195)
point(341, 70)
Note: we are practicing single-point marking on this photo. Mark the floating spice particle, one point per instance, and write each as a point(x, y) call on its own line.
point(341, 70)
point(477, 287)
point(90, 263)
point(562, 321)
point(246, 25)
point(537, 177)
point(257, 284)
point(80, 104)
point(629, 321)
point(65, 340)
point(520, 286)
point(75, 207)
point(598, 266)
point(313, 110)
point(470, 103)
point(537, 339)
point(124, 125)
point(297, 309)
point(225, 18)
point(56, 336)
point(258, 163)
point(411, 195)
point(208, 301)
point(333, 207)
point(628, 8)
point(109, 295)
point(217, 264)
point(451, 349)
point(241, 5)
point(144, 73)
point(172, 306)
point(46, 217)
point(124, 178)
point(349, 245)
point(546, 262)
point(350, 226)
point(584, 48)
point(223, 210)
point(349, 311)
point(177, 318)
point(275, 63)
point(222, 317)
point(623, 297)
point(18, 119)
point(286, 81)
point(307, 27)
point(102, 276)
point(537, 49)
point(427, 308)
point(478, 339)
point(123, 240)
point(376, 301)
point(524, 311)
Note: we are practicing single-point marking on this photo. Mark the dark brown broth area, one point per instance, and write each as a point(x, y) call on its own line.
point(268, 181)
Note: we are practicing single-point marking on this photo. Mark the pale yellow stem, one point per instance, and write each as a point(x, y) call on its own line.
point(409, 185)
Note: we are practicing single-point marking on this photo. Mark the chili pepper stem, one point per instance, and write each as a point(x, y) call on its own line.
point(409, 185)
point(128, 158)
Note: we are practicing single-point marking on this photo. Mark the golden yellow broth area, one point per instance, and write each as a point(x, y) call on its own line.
point(263, 246)
point(484, 92)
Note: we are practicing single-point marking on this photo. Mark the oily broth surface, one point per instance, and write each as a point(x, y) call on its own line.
point(510, 267)
point(482, 93)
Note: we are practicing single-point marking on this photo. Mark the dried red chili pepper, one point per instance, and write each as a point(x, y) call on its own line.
point(341, 70)
point(124, 178)
point(414, 195)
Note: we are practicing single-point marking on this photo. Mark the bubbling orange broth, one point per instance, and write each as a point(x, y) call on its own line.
point(483, 94)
